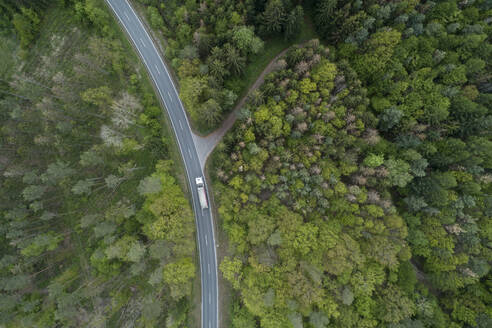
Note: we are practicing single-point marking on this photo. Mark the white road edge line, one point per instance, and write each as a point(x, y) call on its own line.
point(165, 68)
point(186, 167)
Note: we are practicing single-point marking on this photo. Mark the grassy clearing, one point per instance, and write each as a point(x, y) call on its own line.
point(240, 85)
point(274, 46)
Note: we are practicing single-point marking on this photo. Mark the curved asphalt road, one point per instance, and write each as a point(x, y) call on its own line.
point(169, 95)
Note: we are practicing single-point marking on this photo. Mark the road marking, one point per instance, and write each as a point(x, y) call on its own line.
point(157, 69)
point(126, 14)
point(180, 125)
point(206, 240)
point(169, 94)
point(189, 151)
point(209, 299)
point(179, 101)
point(208, 268)
point(142, 42)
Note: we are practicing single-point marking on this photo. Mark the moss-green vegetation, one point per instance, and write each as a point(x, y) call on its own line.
point(296, 224)
point(273, 46)
point(95, 229)
point(215, 49)
point(355, 188)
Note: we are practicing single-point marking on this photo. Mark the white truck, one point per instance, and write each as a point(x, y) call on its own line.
point(201, 192)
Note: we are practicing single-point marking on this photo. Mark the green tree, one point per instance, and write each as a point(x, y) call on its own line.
point(407, 277)
point(260, 227)
point(398, 172)
point(293, 22)
point(26, 24)
point(390, 118)
point(57, 172)
point(98, 96)
point(136, 252)
point(324, 16)
point(217, 69)
point(178, 275)
point(235, 62)
point(242, 318)
point(96, 15)
point(41, 243)
point(306, 238)
point(34, 192)
point(155, 18)
point(246, 41)
point(210, 112)
point(318, 320)
point(373, 160)
point(149, 185)
point(274, 16)
point(376, 54)
point(231, 269)
point(191, 91)
point(394, 306)
point(83, 187)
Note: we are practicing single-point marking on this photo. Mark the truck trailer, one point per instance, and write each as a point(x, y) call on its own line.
point(201, 192)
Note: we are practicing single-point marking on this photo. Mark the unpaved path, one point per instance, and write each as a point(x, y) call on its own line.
point(205, 145)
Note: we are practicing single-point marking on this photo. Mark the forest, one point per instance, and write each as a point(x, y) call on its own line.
point(353, 191)
point(211, 43)
point(95, 228)
point(355, 187)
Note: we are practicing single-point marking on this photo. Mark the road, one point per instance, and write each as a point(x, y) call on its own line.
point(205, 145)
point(169, 96)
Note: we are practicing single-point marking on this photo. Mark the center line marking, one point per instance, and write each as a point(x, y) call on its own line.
point(180, 125)
point(157, 69)
point(206, 240)
point(135, 16)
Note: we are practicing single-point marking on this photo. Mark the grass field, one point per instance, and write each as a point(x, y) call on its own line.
point(273, 47)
